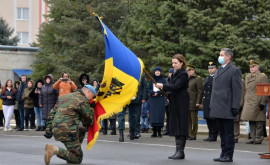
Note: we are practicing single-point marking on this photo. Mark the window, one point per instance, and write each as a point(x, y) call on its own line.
point(22, 13)
point(23, 37)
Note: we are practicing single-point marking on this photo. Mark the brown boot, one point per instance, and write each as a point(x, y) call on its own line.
point(50, 150)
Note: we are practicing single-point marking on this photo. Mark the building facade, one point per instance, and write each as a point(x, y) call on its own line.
point(16, 61)
point(25, 17)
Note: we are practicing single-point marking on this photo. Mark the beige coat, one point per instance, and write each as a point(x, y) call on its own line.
point(251, 110)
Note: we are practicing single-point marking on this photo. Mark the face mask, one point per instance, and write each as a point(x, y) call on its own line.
point(221, 60)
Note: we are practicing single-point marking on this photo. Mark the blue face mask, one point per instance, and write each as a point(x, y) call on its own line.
point(221, 60)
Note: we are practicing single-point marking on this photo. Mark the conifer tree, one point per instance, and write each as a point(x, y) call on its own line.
point(6, 33)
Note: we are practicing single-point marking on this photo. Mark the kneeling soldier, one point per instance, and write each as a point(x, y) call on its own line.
point(64, 124)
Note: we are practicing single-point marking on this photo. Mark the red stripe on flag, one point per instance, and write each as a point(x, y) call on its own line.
point(99, 110)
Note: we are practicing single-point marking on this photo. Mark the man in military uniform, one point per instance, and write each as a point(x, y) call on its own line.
point(254, 106)
point(195, 91)
point(211, 123)
point(64, 124)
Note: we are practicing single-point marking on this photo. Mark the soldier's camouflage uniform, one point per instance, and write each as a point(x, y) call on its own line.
point(64, 122)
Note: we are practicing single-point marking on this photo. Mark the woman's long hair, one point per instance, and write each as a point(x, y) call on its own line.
point(5, 87)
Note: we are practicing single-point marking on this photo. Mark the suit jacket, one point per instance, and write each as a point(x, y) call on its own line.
point(226, 92)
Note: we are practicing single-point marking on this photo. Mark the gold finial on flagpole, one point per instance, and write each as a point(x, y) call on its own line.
point(90, 10)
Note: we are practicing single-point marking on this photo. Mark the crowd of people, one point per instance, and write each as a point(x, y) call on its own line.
point(31, 103)
point(224, 96)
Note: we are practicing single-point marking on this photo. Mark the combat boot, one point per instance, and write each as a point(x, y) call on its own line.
point(50, 150)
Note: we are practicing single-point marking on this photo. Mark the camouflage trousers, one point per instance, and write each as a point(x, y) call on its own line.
point(73, 153)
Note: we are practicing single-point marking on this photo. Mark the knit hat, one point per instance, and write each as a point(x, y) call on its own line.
point(92, 89)
point(157, 68)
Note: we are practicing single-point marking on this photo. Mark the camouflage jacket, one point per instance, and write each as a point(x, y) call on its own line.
point(65, 117)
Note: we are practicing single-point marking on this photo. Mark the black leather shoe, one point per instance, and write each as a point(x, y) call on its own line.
point(165, 133)
point(207, 139)
point(226, 159)
point(154, 135)
point(191, 138)
point(250, 142)
point(137, 136)
point(113, 133)
point(217, 159)
point(20, 129)
point(212, 140)
point(257, 142)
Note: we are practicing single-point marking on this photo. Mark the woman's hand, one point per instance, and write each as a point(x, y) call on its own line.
point(159, 85)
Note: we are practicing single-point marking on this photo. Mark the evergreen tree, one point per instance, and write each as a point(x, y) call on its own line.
point(158, 29)
point(5, 34)
point(72, 41)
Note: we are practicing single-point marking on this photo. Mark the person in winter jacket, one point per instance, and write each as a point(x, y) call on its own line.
point(38, 110)
point(47, 97)
point(21, 88)
point(84, 80)
point(29, 114)
point(8, 95)
point(16, 110)
point(65, 85)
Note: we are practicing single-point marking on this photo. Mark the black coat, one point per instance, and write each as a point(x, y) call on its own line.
point(156, 105)
point(20, 94)
point(226, 92)
point(142, 91)
point(35, 96)
point(208, 83)
point(179, 103)
point(8, 101)
point(47, 98)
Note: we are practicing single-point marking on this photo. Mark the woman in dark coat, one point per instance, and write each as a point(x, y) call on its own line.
point(38, 110)
point(47, 97)
point(179, 105)
point(156, 103)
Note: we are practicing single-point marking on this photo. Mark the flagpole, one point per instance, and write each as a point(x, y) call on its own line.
point(154, 81)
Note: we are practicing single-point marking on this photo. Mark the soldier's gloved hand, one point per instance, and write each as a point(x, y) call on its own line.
point(92, 103)
point(48, 133)
point(235, 111)
point(261, 107)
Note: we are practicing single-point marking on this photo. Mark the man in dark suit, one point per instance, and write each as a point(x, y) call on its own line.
point(211, 123)
point(225, 102)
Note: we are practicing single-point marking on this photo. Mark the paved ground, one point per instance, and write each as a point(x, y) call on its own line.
point(27, 148)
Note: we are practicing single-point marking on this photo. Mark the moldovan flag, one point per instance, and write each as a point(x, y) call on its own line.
point(120, 82)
